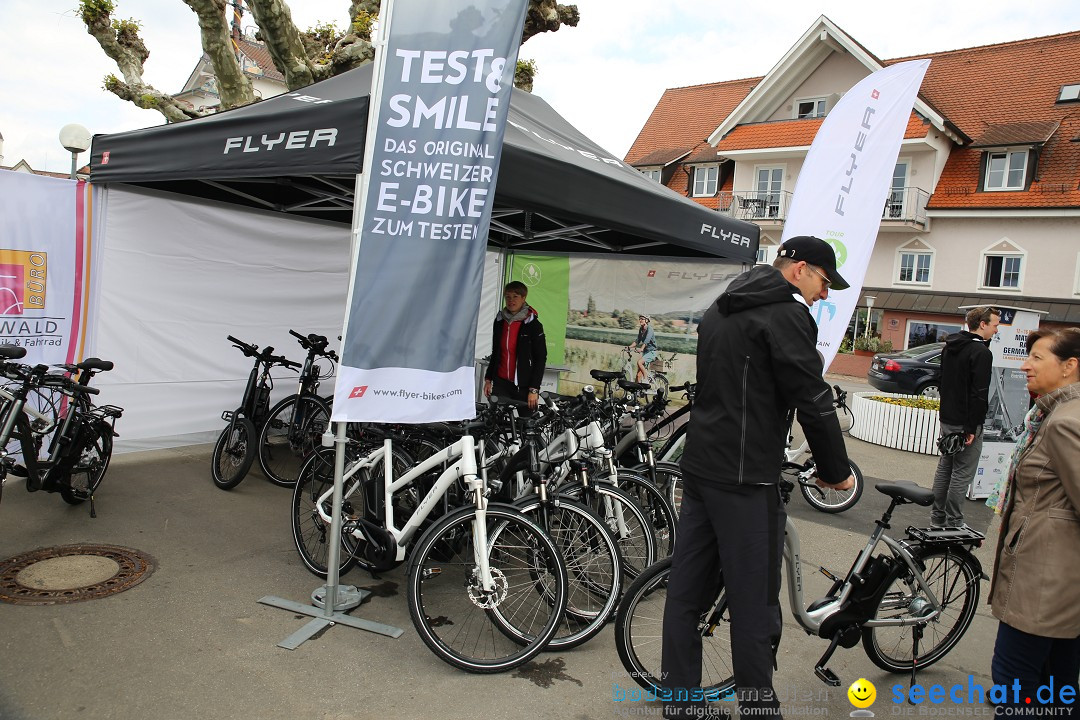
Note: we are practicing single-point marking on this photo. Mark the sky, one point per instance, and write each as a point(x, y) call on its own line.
point(605, 76)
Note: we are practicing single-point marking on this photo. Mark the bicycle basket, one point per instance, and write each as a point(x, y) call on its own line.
point(658, 365)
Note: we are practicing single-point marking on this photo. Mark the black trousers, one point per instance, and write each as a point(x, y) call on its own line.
point(507, 389)
point(739, 531)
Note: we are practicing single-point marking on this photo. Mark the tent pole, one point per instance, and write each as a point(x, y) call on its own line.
point(330, 602)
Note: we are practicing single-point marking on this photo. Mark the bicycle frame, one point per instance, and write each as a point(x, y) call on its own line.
point(464, 467)
point(812, 620)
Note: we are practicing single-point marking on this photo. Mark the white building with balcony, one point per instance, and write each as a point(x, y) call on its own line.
point(984, 206)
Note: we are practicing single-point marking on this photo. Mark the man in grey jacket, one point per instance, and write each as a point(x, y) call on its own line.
point(757, 359)
point(966, 366)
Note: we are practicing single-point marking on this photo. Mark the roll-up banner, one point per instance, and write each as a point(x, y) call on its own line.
point(439, 107)
point(843, 184)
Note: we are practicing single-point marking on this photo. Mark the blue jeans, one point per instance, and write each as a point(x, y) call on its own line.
point(1036, 662)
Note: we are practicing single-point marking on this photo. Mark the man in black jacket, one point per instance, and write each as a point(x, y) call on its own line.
point(966, 367)
point(757, 359)
point(518, 349)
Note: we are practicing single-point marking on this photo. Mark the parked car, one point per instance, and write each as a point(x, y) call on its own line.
point(915, 371)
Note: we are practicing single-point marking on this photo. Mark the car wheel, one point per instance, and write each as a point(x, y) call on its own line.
point(930, 390)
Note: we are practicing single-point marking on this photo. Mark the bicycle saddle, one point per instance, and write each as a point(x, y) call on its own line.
point(633, 386)
point(907, 491)
point(604, 375)
point(14, 352)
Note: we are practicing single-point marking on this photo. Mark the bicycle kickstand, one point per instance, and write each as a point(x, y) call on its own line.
point(916, 635)
point(824, 674)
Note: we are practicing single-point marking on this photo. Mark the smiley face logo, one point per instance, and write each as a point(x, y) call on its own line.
point(862, 693)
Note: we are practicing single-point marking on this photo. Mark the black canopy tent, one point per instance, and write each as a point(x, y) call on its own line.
point(299, 153)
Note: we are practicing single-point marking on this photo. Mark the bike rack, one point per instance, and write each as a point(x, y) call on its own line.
point(331, 601)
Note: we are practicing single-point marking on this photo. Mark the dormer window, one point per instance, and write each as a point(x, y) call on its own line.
point(651, 173)
point(705, 180)
point(1069, 93)
point(1006, 169)
point(810, 107)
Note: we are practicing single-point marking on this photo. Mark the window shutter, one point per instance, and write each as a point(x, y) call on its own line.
point(689, 181)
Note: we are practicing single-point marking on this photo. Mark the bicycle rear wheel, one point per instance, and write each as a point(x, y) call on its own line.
point(311, 533)
point(89, 470)
point(954, 580)
point(293, 429)
point(233, 453)
point(463, 624)
point(829, 500)
point(639, 626)
point(593, 567)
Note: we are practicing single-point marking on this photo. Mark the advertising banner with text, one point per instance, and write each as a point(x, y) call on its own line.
point(44, 266)
point(843, 184)
point(435, 131)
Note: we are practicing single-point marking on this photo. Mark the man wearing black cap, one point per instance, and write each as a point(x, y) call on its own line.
point(757, 359)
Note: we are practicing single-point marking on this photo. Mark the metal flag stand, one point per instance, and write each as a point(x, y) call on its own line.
point(330, 602)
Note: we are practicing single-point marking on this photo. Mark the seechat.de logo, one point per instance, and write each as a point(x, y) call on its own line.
point(358, 391)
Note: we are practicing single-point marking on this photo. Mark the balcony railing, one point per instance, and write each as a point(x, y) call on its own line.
point(759, 206)
point(903, 206)
point(906, 205)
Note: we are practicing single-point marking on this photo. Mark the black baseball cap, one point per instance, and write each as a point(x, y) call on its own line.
point(814, 250)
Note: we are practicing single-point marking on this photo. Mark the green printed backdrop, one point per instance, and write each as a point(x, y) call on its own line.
point(548, 280)
point(589, 306)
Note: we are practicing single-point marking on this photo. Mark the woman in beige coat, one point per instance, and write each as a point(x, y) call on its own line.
point(1035, 591)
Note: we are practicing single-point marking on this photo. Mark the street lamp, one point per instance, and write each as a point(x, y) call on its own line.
point(869, 307)
point(75, 139)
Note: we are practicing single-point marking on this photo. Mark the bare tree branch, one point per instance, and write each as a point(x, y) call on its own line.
point(301, 57)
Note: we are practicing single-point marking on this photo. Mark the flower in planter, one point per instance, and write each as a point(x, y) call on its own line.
point(912, 402)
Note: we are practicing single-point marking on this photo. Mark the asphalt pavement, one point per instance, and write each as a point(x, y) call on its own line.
point(192, 641)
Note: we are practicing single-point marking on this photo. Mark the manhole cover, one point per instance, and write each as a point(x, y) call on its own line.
point(71, 573)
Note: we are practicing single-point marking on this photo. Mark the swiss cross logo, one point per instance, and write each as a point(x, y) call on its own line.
point(358, 391)
point(105, 158)
point(652, 273)
point(875, 94)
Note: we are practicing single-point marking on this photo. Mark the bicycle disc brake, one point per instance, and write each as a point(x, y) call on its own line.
point(483, 599)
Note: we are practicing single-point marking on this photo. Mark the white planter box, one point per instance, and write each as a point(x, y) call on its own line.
point(903, 428)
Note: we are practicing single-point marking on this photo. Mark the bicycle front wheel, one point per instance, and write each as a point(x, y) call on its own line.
point(952, 578)
point(625, 520)
point(293, 429)
point(654, 502)
point(830, 500)
point(593, 567)
point(233, 453)
point(639, 631)
point(463, 622)
point(90, 468)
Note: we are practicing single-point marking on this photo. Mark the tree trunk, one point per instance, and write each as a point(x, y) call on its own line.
point(233, 86)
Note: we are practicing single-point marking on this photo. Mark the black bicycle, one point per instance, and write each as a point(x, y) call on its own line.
point(235, 448)
point(80, 434)
point(295, 425)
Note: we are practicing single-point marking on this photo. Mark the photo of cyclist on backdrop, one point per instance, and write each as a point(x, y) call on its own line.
point(645, 344)
point(518, 349)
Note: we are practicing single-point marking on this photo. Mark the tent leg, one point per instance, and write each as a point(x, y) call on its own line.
point(331, 601)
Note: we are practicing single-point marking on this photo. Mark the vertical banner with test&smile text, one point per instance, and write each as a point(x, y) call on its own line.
point(442, 91)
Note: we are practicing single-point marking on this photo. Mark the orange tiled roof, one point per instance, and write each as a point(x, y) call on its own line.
point(793, 133)
point(685, 116)
point(992, 93)
point(258, 54)
point(985, 90)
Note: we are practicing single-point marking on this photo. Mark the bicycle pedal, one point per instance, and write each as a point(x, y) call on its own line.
point(827, 676)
